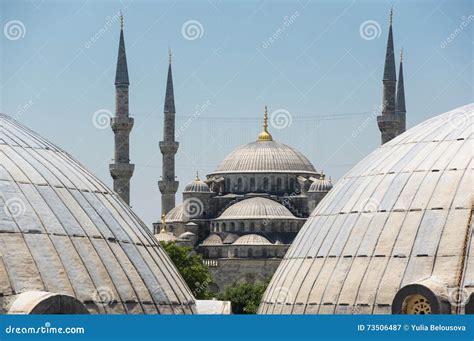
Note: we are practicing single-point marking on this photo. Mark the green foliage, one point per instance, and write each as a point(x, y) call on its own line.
point(245, 297)
point(195, 273)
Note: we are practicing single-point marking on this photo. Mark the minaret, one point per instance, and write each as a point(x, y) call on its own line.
point(168, 184)
point(388, 122)
point(121, 170)
point(400, 108)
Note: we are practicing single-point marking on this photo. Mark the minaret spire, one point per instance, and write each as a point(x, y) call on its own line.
point(121, 170)
point(168, 184)
point(388, 122)
point(265, 135)
point(400, 108)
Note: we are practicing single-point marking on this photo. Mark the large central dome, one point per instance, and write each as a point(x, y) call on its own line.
point(265, 157)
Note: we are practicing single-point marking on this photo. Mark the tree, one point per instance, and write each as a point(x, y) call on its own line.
point(245, 297)
point(190, 265)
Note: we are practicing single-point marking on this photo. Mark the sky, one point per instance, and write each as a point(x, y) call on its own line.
point(317, 65)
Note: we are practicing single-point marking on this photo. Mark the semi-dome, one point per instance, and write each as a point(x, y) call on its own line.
point(166, 237)
point(196, 186)
point(256, 208)
point(66, 237)
point(213, 239)
point(252, 239)
point(393, 233)
point(321, 185)
point(176, 214)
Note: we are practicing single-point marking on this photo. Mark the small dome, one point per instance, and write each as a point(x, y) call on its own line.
point(256, 208)
point(321, 185)
point(252, 239)
point(187, 235)
point(165, 237)
point(197, 186)
point(213, 239)
point(231, 238)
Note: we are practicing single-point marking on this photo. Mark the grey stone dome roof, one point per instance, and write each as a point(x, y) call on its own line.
point(63, 231)
point(321, 185)
point(252, 239)
point(197, 186)
point(265, 157)
point(256, 208)
point(401, 218)
point(213, 239)
point(176, 214)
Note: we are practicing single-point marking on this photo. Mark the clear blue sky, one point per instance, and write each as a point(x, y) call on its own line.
point(54, 77)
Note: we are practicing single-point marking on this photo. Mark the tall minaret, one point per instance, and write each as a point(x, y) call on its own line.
point(400, 108)
point(168, 184)
point(121, 170)
point(388, 122)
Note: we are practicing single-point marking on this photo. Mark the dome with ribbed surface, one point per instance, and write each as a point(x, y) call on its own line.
point(213, 239)
point(196, 186)
point(321, 185)
point(265, 157)
point(397, 224)
point(166, 237)
point(63, 231)
point(252, 239)
point(256, 208)
point(176, 214)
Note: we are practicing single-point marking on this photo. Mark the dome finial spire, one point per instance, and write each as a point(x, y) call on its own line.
point(169, 54)
point(265, 135)
point(391, 15)
point(121, 19)
point(163, 223)
point(197, 176)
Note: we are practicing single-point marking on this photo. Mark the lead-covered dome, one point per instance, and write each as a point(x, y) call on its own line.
point(65, 237)
point(265, 157)
point(252, 239)
point(321, 185)
point(256, 208)
point(196, 186)
point(393, 235)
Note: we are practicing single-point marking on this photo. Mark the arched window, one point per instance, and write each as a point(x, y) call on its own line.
point(242, 226)
point(224, 227)
point(278, 184)
point(292, 184)
point(252, 227)
point(227, 184)
point(232, 226)
point(252, 184)
point(264, 253)
point(236, 253)
point(239, 184)
point(250, 253)
point(265, 184)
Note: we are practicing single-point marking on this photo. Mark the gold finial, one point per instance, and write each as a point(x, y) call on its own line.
point(265, 135)
point(391, 15)
point(169, 55)
point(401, 55)
point(163, 223)
point(197, 176)
point(121, 19)
point(322, 176)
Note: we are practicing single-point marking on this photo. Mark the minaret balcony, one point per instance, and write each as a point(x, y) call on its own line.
point(168, 147)
point(167, 186)
point(121, 123)
point(121, 170)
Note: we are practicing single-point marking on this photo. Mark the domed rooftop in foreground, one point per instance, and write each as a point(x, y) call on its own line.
point(394, 235)
point(256, 208)
point(68, 243)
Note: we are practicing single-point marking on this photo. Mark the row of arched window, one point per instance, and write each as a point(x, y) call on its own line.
point(239, 186)
point(235, 252)
point(253, 227)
